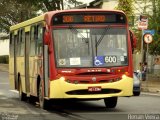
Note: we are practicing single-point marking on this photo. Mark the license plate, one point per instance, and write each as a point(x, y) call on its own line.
point(95, 88)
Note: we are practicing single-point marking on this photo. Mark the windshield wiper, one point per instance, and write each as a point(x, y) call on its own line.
point(102, 36)
point(72, 29)
point(77, 32)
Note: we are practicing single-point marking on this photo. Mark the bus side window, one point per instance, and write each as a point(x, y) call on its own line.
point(133, 40)
point(22, 42)
point(11, 45)
point(18, 43)
point(32, 41)
point(39, 40)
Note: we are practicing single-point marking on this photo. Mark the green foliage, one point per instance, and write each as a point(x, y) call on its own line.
point(16, 11)
point(126, 6)
point(138, 35)
point(13, 12)
point(154, 23)
point(154, 47)
point(4, 59)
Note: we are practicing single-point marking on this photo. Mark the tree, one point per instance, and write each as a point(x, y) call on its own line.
point(13, 12)
point(126, 6)
point(16, 11)
point(49, 5)
point(154, 23)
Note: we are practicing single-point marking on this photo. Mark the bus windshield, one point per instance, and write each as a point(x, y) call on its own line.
point(90, 47)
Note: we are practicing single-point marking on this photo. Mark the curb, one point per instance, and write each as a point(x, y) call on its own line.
point(150, 89)
point(149, 93)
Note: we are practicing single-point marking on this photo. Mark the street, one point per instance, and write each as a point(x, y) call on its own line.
point(12, 107)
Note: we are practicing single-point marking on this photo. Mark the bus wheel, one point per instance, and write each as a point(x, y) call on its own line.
point(44, 104)
point(110, 102)
point(33, 99)
point(22, 96)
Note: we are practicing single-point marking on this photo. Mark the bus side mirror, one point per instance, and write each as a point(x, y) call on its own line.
point(46, 38)
point(133, 40)
point(46, 35)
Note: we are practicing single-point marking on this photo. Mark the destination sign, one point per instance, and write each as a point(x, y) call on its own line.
point(88, 18)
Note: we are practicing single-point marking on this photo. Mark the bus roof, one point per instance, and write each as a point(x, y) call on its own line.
point(28, 22)
point(48, 16)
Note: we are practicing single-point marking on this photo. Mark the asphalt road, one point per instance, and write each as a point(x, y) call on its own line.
point(144, 107)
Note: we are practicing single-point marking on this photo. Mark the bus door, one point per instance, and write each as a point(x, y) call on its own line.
point(26, 60)
point(42, 51)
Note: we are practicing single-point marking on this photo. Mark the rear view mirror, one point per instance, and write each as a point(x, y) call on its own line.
point(133, 40)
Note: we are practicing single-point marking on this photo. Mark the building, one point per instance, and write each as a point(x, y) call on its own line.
point(4, 44)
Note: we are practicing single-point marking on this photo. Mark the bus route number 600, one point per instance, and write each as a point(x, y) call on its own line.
point(110, 59)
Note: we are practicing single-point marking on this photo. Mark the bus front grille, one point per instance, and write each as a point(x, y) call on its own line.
point(86, 92)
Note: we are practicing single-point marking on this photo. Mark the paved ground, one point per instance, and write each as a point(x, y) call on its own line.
point(146, 104)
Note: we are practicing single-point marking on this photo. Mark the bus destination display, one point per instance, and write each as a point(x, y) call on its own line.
point(85, 18)
point(88, 18)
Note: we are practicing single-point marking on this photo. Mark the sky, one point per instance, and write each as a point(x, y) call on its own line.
point(85, 1)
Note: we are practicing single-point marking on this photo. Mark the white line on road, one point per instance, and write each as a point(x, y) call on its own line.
point(15, 91)
point(1, 93)
point(3, 98)
point(4, 83)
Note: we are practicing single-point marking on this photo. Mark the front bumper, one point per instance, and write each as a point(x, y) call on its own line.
point(61, 89)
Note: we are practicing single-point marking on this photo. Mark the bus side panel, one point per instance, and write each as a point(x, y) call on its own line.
point(11, 73)
point(33, 62)
point(26, 60)
point(12, 62)
point(21, 72)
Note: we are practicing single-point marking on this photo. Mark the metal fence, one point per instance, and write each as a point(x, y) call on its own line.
point(153, 74)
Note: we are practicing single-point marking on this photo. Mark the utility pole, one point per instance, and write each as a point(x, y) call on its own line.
point(142, 41)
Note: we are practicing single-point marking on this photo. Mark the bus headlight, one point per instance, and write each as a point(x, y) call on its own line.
point(124, 76)
point(62, 78)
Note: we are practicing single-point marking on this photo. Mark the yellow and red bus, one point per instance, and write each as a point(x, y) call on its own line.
point(81, 54)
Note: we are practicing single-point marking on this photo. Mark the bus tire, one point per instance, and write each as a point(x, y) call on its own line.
point(44, 104)
point(136, 93)
point(33, 99)
point(110, 102)
point(22, 95)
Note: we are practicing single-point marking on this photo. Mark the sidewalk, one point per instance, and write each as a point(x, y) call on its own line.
point(151, 85)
